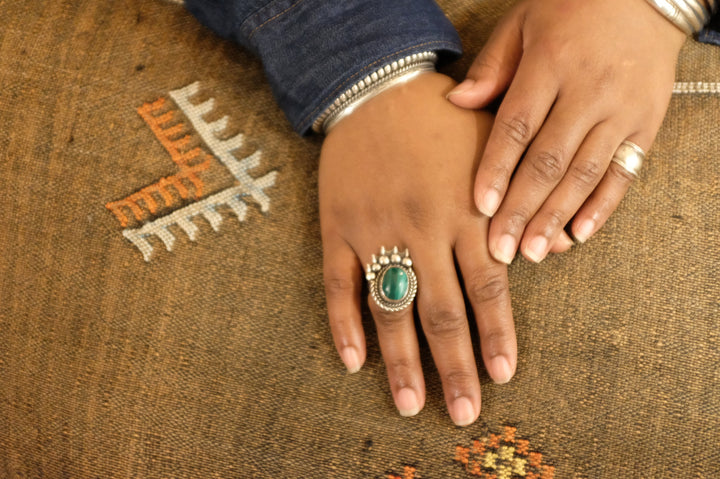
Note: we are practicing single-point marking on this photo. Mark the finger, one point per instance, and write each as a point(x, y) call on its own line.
point(401, 353)
point(582, 176)
point(606, 197)
point(541, 169)
point(494, 67)
point(442, 314)
point(519, 118)
point(343, 282)
point(486, 285)
point(562, 244)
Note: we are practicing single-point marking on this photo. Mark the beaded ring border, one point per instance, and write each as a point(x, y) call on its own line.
point(395, 291)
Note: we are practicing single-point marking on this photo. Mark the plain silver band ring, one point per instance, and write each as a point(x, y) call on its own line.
point(630, 157)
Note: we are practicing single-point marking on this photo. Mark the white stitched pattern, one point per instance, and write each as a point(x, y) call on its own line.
point(689, 88)
point(184, 216)
point(232, 197)
point(222, 149)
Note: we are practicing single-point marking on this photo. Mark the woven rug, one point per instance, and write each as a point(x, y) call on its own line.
point(161, 303)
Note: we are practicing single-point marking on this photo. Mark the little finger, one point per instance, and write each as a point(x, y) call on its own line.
point(611, 190)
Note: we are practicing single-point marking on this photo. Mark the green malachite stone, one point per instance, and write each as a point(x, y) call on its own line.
point(395, 283)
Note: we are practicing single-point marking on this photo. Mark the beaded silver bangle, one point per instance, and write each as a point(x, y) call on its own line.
point(690, 16)
point(380, 80)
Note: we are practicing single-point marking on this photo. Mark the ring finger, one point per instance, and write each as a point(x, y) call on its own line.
point(444, 320)
point(397, 336)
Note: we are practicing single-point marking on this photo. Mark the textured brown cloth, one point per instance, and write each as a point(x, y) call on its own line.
point(215, 359)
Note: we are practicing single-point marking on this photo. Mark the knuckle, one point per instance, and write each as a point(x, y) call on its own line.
point(496, 339)
point(548, 166)
point(338, 286)
point(515, 221)
point(387, 320)
point(459, 379)
point(399, 367)
point(586, 173)
point(486, 62)
point(516, 129)
point(445, 321)
point(606, 77)
point(416, 212)
point(556, 49)
point(486, 287)
point(554, 219)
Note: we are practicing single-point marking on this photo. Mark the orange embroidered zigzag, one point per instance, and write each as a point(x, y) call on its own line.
point(502, 456)
point(408, 473)
point(183, 158)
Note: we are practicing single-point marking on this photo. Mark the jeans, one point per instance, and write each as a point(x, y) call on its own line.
point(309, 53)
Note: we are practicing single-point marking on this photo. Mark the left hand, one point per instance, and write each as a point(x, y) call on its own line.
point(581, 77)
point(399, 171)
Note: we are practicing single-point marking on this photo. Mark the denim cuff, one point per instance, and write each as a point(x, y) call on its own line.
point(313, 50)
point(711, 33)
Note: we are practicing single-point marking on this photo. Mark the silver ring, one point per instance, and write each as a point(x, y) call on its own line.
point(392, 281)
point(630, 157)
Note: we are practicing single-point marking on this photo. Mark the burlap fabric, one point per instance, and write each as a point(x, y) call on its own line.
point(214, 359)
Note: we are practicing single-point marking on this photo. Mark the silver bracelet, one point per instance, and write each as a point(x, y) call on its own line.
point(690, 16)
point(389, 75)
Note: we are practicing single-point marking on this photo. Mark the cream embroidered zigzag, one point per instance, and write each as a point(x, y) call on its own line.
point(223, 150)
point(698, 87)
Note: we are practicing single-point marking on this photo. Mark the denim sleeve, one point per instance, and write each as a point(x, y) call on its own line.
point(711, 33)
point(313, 50)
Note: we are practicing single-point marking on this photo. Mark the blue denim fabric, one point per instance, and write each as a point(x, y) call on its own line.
point(313, 50)
point(711, 34)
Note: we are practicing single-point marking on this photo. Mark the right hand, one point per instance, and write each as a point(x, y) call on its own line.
point(579, 77)
point(399, 171)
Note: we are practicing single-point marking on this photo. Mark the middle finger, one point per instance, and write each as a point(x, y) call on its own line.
point(444, 321)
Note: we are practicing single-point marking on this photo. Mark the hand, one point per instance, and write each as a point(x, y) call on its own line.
point(581, 77)
point(399, 171)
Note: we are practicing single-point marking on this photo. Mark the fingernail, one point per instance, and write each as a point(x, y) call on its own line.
point(489, 203)
point(505, 249)
point(461, 88)
point(537, 249)
point(499, 370)
point(585, 230)
point(462, 412)
point(407, 402)
point(351, 358)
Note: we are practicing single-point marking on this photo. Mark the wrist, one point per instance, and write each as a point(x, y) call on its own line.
point(407, 106)
point(389, 75)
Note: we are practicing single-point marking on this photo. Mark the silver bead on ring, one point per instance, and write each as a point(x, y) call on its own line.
point(630, 157)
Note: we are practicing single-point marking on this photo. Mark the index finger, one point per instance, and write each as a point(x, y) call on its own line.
point(520, 116)
point(487, 288)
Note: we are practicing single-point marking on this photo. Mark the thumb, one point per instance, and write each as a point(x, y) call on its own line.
point(494, 68)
